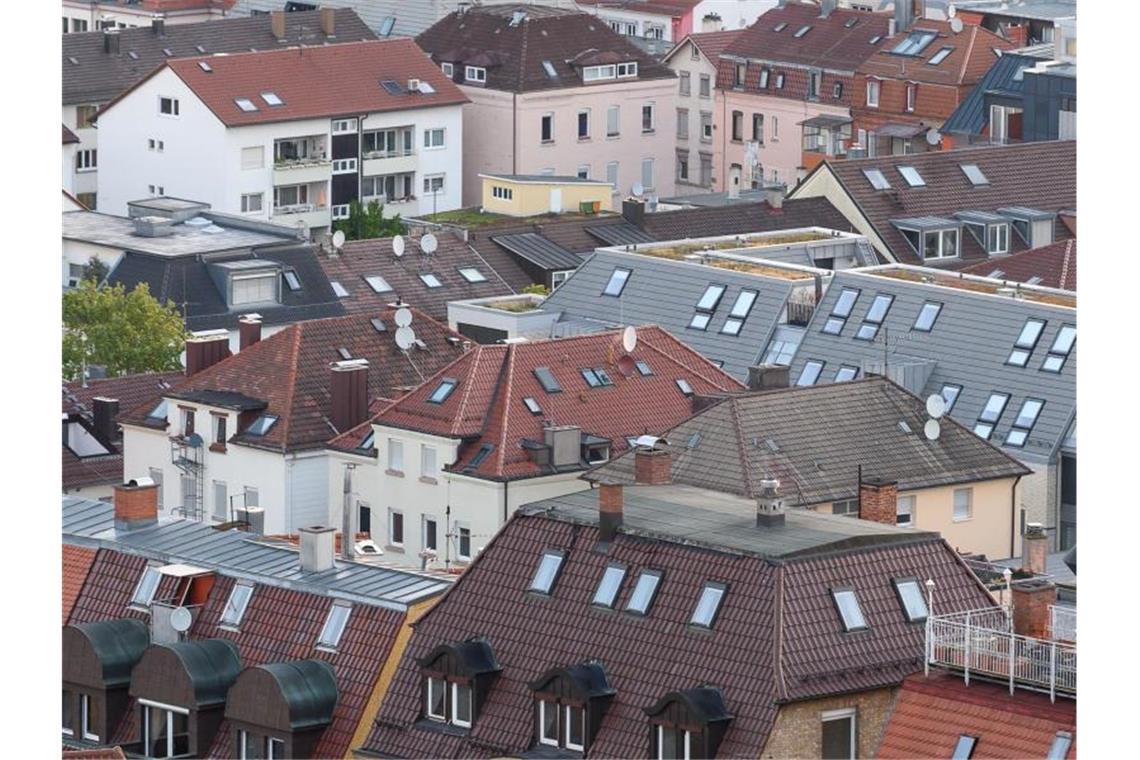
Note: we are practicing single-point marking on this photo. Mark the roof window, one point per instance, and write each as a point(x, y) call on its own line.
point(392, 87)
point(386, 25)
point(708, 604)
point(480, 455)
point(914, 43)
point(430, 280)
point(700, 321)
point(617, 281)
point(204, 66)
point(531, 405)
point(609, 585)
point(927, 315)
point(711, 298)
point(1059, 351)
point(644, 592)
point(334, 626)
point(378, 283)
point(234, 610)
point(158, 412)
point(876, 178)
point(694, 440)
point(1023, 425)
point(1026, 342)
point(875, 316)
point(547, 380)
point(1059, 749)
point(740, 311)
point(846, 373)
point(549, 68)
point(779, 84)
point(875, 40)
point(802, 31)
point(849, 23)
point(780, 26)
point(974, 174)
point(849, 611)
point(200, 49)
point(841, 311)
point(643, 368)
point(990, 414)
point(810, 372)
point(261, 425)
point(344, 353)
point(684, 387)
point(914, 604)
point(940, 56)
point(369, 441)
point(338, 289)
point(964, 749)
point(912, 177)
point(471, 274)
point(145, 588)
point(272, 99)
point(245, 104)
point(291, 280)
point(950, 393)
point(378, 325)
point(547, 572)
point(443, 390)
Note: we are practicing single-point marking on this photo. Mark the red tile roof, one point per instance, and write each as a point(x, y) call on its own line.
point(972, 56)
point(90, 471)
point(711, 44)
point(1055, 264)
point(77, 561)
point(487, 405)
point(829, 44)
point(659, 7)
point(104, 753)
point(315, 82)
point(931, 713)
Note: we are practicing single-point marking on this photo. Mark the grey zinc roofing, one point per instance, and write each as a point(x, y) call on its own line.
point(726, 522)
point(968, 346)
point(924, 222)
point(233, 552)
point(408, 18)
point(815, 440)
point(971, 115)
point(119, 232)
point(539, 251)
point(664, 293)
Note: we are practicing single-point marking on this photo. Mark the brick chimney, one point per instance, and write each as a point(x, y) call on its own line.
point(136, 504)
point(106, 410)
point(633, 211)
point(652, 467)
point(205, 349)
point(1031, 602)
point(769, 504)
point(611, 502)
point(765, 377)
point(1034, 546)
point(277, 24)
point(249, 330)
point(349, 393)
point(328, 22)
point(878, 500)
point(318, 545)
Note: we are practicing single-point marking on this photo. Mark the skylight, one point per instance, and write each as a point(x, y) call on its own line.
point(780, 26)
point(147, 585)
point(133, 55)
point(480, 455)
point(159, 411)
point(261, 425)
point(740, 311)
point(914, 43)
point(344, 353)
point(642, 368)
point(850, 23)
point(875, 316)
point(990, 414)
point(810, 373)
point(875, 40)
point(841, 311)
point(964, 748)
point(940, 56)
point(974, 174)
point(245, 104)
point(547, 572)
point(700, 320)
point(1059, 749)
point(802, 30)
point(532, 405)
point(685, 388)
point(200, 49)
point(471, 274)
point(272, 99)
point(236, 604)
point(334, 626)
point(430, 280)
point(708, 605)
point(386, 25)
point(849, 609)
point(378, 325)
point(644, 592)
point(914, 604)
point(1026, 342)
point(338, 289)
point(291, 280)
point(392, 87)
point(369, 440)
point(877, 180)
point(378, 283)
point(1059, 351)
point(547, 380)
point(616, 284)
point(425, 88)
point(927, 316)
point(205, 67)
point(442, 391)
point(846, 373)
point(609, 585)
point(1023, 425)
point(711, 298)
point(912, 177)
point(549, 68)
point(596, 377)
point(950, 394)
point(694, 440)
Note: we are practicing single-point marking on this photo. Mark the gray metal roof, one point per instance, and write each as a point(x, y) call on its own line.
point(972, 114)
point(119, 232)
point(1040, 10)
point(1024, 212)
point(538, 250)
point(238, 554)
point(623, 233)
point(969, 345)
point(980, 217)
point(925, 223)
point(561, 179)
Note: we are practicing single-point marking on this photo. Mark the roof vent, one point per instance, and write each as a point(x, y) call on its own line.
point(769, 504)
point(153, 226)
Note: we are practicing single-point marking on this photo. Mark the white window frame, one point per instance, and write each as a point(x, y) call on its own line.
point(849, 713)
point(430, 142)
point(661, 740)
point(543, 705)
point(170, 711)
point(610, 119)
point(455, 719)
point(344, 126)
point(85, 718)
point(627, 70)
point(685, 84)
point(429, 180)
point(599, 73)
point(428, 696)
point(150, 571)
point(969, 494)
point(395, 455)
point(911, 96)
point(704, 86)
point(652, 109)
point(502, 193)
point(425, 472)
point(245, 595)
point(447, 68)
point(541, 128)
point(247, 157)
point(578, 124)
point(333, 644)
point(459, 528)
point(344, 166)
point(475, 74)
point(86, 160)
point(175, 108)
point(247, 205)
point(912, 502)
point(567, 722)
point(424, 520)
point(873, 87)
point(341, 211)
point(651, 162)
point(999, 233)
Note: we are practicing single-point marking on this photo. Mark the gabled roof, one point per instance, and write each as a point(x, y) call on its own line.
point(776, 637)
point(830, 43)
point(98, 76)
point(487, 405)
point(360, 259)
point(740, 218)
point(515, 54)
point(290, 372)
point(972, 53)
point(1051, 266)
point(933, 711)
point(971, 116)
point(711, 44)
point(671, 8)
point(69, 137)
point(728, 447)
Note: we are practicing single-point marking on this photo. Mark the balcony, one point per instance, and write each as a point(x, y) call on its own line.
point(301, 159)
point(824, 137)
point(388, 151)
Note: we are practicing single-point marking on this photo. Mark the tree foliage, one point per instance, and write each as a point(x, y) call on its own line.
point(124, 332)
point(368, 222)
point(95, 270)
point(537, 289)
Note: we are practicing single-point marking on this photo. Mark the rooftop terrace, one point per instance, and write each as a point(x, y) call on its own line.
point(990, 286)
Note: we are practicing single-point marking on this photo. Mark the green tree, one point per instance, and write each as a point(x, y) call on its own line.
point(95, 270)
point(366, 222)
point(537, 288)
point(124, 332)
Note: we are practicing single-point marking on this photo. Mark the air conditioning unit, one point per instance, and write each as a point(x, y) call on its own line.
point(413, 85)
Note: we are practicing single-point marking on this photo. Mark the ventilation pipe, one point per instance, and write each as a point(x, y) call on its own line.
point(348, 537)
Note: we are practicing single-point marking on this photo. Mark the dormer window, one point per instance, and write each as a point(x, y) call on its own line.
point(253, 288)
point(690, 723)
point(626, 70)
point(476, 74)
point(457, 678)
point(569, 705)
point(597, 73)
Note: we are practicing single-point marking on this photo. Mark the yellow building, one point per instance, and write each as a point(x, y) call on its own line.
point(535, 194)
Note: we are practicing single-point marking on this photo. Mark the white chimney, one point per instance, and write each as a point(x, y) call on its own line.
point(317, 548)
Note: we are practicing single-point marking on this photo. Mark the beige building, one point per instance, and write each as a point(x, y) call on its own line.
point(535, 194)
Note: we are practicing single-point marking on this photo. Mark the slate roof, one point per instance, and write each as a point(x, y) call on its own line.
point(98, 77)
point(740, 218)
point(367, 258)
point(933, 712)
point(189, 282)
point(1055, 265)
point(971, 116)
point(513, 55)
point(776, 638)
point(539, 251)
point(1038, 175)
point(77, 561)
point(956, 351)
point(820, 436)
point(487, 405)
point(971, 56)
point(290, 371)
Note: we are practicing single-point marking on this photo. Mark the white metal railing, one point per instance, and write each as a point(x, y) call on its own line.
point(295, 208)
point(299, 163)
point(982, 643)
point(1062, 622)
point(397, 153)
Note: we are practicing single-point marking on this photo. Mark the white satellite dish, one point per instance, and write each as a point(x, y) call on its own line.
point(933, 136)
point(403, 317)
point(638, 189)
point(955, 23)
point(398, 245)
point(951, 11)
point(936, 405)
point(629, 338)
point(932, 429)
point(181, 619)
point(428, 243)
point(338, 239)
point(405, 338)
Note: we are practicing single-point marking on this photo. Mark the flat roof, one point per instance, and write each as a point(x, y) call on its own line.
point(119, 232)
point(545, 179)
point(962, 281)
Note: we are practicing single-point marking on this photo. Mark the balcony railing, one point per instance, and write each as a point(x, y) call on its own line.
point(397, 153)
point(1062, 622)
point(295, 208)
point(296, 163)
point(982, 644)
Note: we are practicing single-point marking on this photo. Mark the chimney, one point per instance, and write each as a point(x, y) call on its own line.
point(158, 25)
point(769, 505)
point(766, 377)
point(891, 30)
point(205, 349)
point(826, 7)
point(349, 393)
point(1031, 603)
point(774, 195)
point(565, 443)
point(633, 211)
point(904, 15)
point(136, 504)
point(277, 24)
point(317, 548)
point(249, 330)
point(610, 505)
point(652, 466)
point(711, 23)
point(106, 411)
point(111, 41)
point(347, 531)
point(1034, 545)
point(328, 22)
point(878, 500)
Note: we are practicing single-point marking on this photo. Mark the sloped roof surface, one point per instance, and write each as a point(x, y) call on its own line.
point(972, 54)
point(971, 115)
point(739, 218)
point(1054, 264)
point(77, 562)
point(829, 44)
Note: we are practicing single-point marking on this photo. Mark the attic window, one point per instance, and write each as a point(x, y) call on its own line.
point(876, 178)
point(1060, 349)
point(711, 298)
point(1026, 342)
point(549, 68)
point(940, 56)
point(974, 174)
point(927, 316)
point(378, 325)
point(596, 377)
point(344, 353)
point(334, 626)
point(392, 87)
point(740, 310)
point(912, 177)
point(618, 278)
point(846, 373)
point(875, 316)
point(532, 405)
point(810, 372)
point(849, 611)
point(1059, 749)
point(147, 585)
point(133, 55)
point(1023, 425)
point(431, 280)
point(272, 99)
point(708, 605)
point(850, 23)
point(168, 52)
point(158, 412)
point(480, 455)
point(205, 67)
point(642, 368)
point(200, 49)
point(841, 311)
point(378, 283)
point(386, 25)
point(964, 749)
point(780, 26)
point(369, 441)
point(914, 604)
point(779, 86)
point(291, 280)
point(471, 274)
point(990, 415)
point(443, 390)
point(914, 43)
point(547, 572)
point(261, 425)
point(802, 31)
point(609, 585)
point(338, 289)
point(875, 40)
point(234, 610)
point(547, 380)
point(475, 74)
point(245, 104)
point(644, 592)
point(685, 388)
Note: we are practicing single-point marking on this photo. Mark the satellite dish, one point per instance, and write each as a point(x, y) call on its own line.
point(955, 23)
point(936, 405)
point(181, 619)
point(428, 243)
point(403, 317)
point(932, 429)
point(637, 189)
point(933, 136)
point(405, 338)
point(398, 245)
point(629, 338)
point(338, 239)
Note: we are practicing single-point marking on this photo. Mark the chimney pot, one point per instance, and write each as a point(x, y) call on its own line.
point(318, 544)
point(349, 393)
point(611, 504)
point(205, 349)
point(111, 41)
point(136, 504)
point(277, 24)
point(769, 504)
point(106, 410)
point(878, 500)
point(1031, 603)
point(1034, 548)
point(652, 467)
point(249, 330)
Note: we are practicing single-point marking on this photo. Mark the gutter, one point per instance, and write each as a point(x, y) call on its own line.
point(514, 133)
point(1013, 511)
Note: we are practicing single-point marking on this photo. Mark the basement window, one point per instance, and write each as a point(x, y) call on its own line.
point(1026, 342)
point(532, 405)
point(810, 373)
point(378, 284)
point(964, 749)
point(1060, 349)
point(442, 391)
point(990, 415)
point(875, 316)
point(610, 584)
point(684, 387)
point(547, 572)
point(236, 604)
point(1023, 425)
point(334, 626)
point(644, 592)
point(262, 425)
point(841, 311)
point(913, 602)
point(708, 605)
point(547, 380)
point(850, 612)
point(147, 585)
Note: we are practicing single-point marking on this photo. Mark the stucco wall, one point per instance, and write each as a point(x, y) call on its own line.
point(682, 61)
point(798, 730)
point(530, 199)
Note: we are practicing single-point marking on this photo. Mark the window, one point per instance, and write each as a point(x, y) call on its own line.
point(364, 517)
point(532, 406)
point(395, 455)
point(1026, 342)
point(1059, 749)
point(87, 718)
point(837, 90)
point(809, 375)
point(686, 84)
point(963, 503)
point(165, 730)
point(684, 387)
point(914, 43)
point(940, 244)
point(502, 193)
point(739, 73)
point(251, 203)
point(647, 174)
point(436, 702)
point(627, 70)
point(344, 166)
point(911, 95)
point(706, 126)
point(700, 321)
point(711, 298)
point(287, 196)
point(1023, 425)
point(597, 73)
point(395, 527)
point(1059, 351)
point(429, 463)
point(846, 373)
point(872, 93)
point(475, 74)
point(249, 289)
point(68, 697)
point(682, 123)
point(448, 69)
point(430, 280)
point(433, 138)
point(990, 414)
point(547, 380)
point(964, 749)
point(644, 592)
point(378, 283)
point(85, 116)
point(648, 120)
point(912, 177)
point(877, 179)
point(251, 745)
point(168, 106)
point(613, 121)
point(429, 533)
point(841, 311)
point(219, 429)
point(547, 572)
point(849, 610)
point(780, 81)
point(234, 610)
point(617, 281)
point(940, 56)
point(343, 126)
point(838, 735)
point(847, 508)
point(461, 708)
point(334, 626)
point(705, 86)
point(673, 741)
point(86, 160)
point(245, 104)
point(740, 310)
point(974, 174)
point(815, 80)
point(609, 585)
point(758, 127)
point(584, 124)
point(251, 496)
point(997, 239)
point(738, 125)
point(548, 127)
point(464, 550)
point(875, 316)
point(708, 604)
point(927, 316)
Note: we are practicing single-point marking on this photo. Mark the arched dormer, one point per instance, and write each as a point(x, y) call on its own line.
point(97, 662)
point(281, 709)
point(457, 678)
point(570, 703)
point(689, 723)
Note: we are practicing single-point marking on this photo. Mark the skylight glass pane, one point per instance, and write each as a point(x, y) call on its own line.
point(547, 380)
point(549, 68)
point(994, 407)
point(1059, 749)
point(867, 331)
point(617, 282)
point(926, 316)
point(711, 298)
point(369, 440)
point(983, 430)
point(292, 281)
point(849, 610)
point(1028, 414)
point(684, 386)
point(644, 592)
point(964, 748)
point(700, 321)
point(443, 390)
point(378, 325)
point(846, 373)
point(591, 378)
point(643, 368)
point(603, 377)
point(378, 283)
point(1030, 333)
point(914, 604)
point(707, 605)
point(802, 31)
point(912, 177)
point(731, 327)
point(834, 326)
point(236, 604)
point(974, 174)
point(334, 626)
point(547, 571)
point(876, 178)
point(743, 304)
point(940, 56)
point(950, 393)
point(1063, 343)
point(532, 405)
point(147, 585)
point(431, 280)
point(879, 307)
point(272, 99)
point(780, 26)
point(159, 411)
point(338, 289)
point(607, 590)
point(810, 373)
point(245, 104)
point(472, 275)
point(845, 303)
point(261, 425)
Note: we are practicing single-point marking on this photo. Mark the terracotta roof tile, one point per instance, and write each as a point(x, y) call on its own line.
point(712, 44)
point(829, 44)
point(104, 753)
point(77, 561)
point(971, 56)
point(1055, 265)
